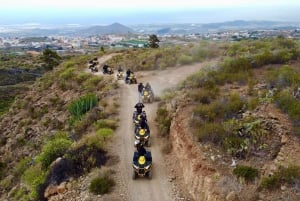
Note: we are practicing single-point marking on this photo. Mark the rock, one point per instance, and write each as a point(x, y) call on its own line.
point(50, 190)
point(284, 139)
point(62, 187)
point(55, 162)
point(213, 158)
point(283, 188)
point(232, 196)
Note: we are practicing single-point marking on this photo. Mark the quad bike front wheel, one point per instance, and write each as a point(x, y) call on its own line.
point(134, 175)
point(150, 174)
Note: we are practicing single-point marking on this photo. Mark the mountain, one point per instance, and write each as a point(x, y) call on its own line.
point(115, 28)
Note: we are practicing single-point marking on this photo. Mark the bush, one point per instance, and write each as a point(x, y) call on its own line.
point(105, 132)
point(246, 172)
point(85, 103)
point(33, 178)
point(106, 123)
point(164, 121)
point(185, 59)
point(211, 132)
point(67, 74)
point(234, 105)
point(52, 150)
point(209, 112)
point(284, 175)
point(22, 165)
point(101, 185)
point(288, 104)
point(283, 77)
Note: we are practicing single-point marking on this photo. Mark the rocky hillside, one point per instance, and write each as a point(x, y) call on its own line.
point(233, 128)
point(64, 117)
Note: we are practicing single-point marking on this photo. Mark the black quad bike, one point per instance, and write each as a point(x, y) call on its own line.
point(142, 165)
point(131, 79)
point(143, 135)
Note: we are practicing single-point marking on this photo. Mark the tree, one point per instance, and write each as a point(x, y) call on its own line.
point(51, 58)
point(153, 41)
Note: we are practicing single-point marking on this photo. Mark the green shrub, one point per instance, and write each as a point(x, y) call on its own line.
point(67, 74)
point(81, 77)
point(22, 165)
point(106, 123)
point(239, 64)
point(283, 77)
point(33, 177)
point(185, 59)
point(209, 112)
point(164, 120)
point(284, 175)
point(52, 150)
point(105, 132)
point(5, 105)
point(246, 172)
point(204, 96)
point(234, 105)
point(288, 104)
point(252, 103)
point(243, 135)
point(101, 185)
point(85, 103)
point(211, 132)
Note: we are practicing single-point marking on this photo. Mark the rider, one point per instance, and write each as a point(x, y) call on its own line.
point(140, 88)
point(128, 72)
point(148, 87)
point(139, 107)
point(140, 148)
point(105, 67)
point(120, 69)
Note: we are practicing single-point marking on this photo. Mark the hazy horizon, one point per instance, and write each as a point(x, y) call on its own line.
point(91, 12)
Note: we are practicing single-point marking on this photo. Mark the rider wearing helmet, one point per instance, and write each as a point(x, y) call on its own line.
point(120, 69)
point(140, 148)
point(139, 107)
point(128, 72)
point(148, 87)
point(105, 68)
point(140, 88)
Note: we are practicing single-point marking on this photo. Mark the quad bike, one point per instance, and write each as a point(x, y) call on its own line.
point(143, 135)
point(147, 96)
point(94, 69)
point(109, 71)
point(131, 79)
point(142, 165)
point(120, 75)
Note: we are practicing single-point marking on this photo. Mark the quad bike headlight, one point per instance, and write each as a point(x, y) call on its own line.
point(137, 137)
point(135, 166)
point(147, 167)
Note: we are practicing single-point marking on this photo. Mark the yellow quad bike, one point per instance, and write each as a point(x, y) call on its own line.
point(131, 79)
point(143, 135)
point(120, 75)
point(142, 165)
point(147, 96)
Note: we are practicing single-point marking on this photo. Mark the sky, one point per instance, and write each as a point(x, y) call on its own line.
point(91, 12)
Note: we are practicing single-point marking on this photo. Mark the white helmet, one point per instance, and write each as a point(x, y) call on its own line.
point(136, 142)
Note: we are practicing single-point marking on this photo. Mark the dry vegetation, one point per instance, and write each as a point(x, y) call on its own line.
point(229, 101)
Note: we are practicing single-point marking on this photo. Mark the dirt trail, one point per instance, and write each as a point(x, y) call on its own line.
point(159, 187)
point(143, 189)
